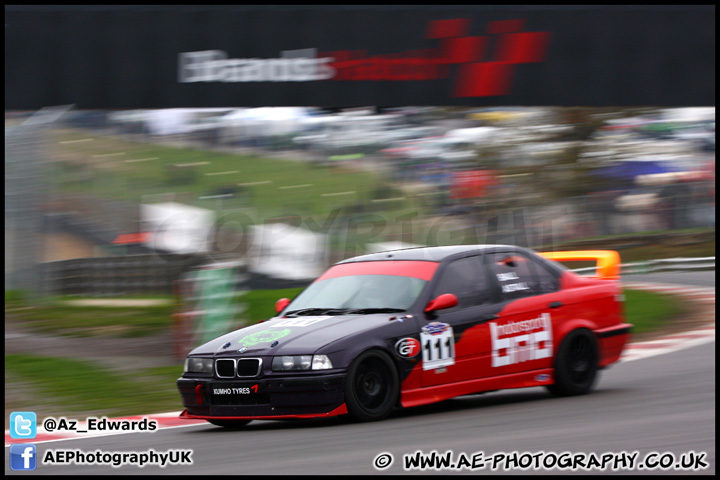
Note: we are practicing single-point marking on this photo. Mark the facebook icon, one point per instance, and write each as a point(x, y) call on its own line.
point(23, 456)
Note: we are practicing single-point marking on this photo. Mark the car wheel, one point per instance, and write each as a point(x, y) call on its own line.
point(230, 424)
point(576, 364)
point(372, 386)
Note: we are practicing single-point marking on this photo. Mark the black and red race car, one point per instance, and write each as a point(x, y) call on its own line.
point(412, 327)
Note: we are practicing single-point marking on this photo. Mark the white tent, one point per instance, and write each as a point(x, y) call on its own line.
point(177, 228)
point(285, 251)
point(174, 121)
point(472, 135)
point(263, 121)
point(689, 114)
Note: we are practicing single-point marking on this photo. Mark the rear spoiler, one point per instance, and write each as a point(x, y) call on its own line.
point(608, 261)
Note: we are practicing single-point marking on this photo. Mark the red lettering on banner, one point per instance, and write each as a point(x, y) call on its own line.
point(523, 47)
point(464, 49)
point(448, 28)
point(476, 77)
point(506, 26)
point(484, 79)
point(383, 68)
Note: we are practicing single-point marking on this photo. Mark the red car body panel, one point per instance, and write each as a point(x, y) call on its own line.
point(341, 410)
point(417, 269)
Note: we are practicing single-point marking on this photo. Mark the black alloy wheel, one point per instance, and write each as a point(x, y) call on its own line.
point(576, 364)
point(372, 386)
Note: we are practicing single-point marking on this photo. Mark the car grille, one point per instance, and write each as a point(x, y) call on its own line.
point(225, 368)
point(242, 367)
point(248, 367)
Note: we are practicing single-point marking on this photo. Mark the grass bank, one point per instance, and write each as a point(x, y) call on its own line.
point(68, 386)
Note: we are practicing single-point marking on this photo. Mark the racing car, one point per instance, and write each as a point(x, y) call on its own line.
point(411, 327)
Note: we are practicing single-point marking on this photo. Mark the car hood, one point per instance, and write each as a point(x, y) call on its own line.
point(292, 336)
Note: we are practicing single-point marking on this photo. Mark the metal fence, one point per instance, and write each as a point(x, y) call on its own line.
point(26, 182)
point(122, 275)
point(661, 265)
point(155, 274)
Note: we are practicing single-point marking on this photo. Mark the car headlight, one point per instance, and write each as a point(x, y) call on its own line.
point(198, 365)
point(288, 363)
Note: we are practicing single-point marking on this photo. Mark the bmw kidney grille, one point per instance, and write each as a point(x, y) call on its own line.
point(243, 367)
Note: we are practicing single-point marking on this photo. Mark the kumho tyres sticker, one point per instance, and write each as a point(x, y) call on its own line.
point(438, 345)
point(263, 336)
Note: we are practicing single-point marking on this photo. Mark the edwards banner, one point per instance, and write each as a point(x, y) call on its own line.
point(135, 56)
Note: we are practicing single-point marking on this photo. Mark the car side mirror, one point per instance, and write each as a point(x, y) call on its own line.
point(281, 304)
point(446, 300)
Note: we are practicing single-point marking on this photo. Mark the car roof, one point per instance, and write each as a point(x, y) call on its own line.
point(429, 254)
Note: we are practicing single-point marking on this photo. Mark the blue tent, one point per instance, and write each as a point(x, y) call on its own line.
point(630, 169)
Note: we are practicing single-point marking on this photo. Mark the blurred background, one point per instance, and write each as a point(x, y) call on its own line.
point(287, 191)
point(111, 203)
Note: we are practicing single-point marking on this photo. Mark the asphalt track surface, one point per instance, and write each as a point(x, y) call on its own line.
point(663, 404)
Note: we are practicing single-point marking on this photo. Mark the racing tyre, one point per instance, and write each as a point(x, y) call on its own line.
point(229, 424)
point(576, 364)
point(372, 386)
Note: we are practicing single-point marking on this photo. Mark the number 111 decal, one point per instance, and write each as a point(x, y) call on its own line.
point(438, 345)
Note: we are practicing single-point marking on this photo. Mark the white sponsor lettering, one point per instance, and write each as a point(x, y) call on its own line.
point(215, 66)
point(514, 287)
point(535, 341)
point(231, 391)
point(300, 321)
point(504, 277)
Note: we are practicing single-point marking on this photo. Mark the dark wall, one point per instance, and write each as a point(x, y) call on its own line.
point(121, 57)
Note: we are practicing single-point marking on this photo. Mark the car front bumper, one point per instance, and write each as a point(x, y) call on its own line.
point(263, 398)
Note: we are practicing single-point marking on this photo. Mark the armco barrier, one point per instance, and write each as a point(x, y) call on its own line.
point(664, 265)
point(134, 274)
point(104, 276)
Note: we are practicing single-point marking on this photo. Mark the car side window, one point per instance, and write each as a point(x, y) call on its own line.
point(465, 278)
point(547, 282)
point(520, 276)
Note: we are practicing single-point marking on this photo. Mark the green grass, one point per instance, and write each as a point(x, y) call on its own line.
point(80, 386)
point(261, 303)
point(58, 319)
point(112, 176)
point(14, 296)
point(648, 311)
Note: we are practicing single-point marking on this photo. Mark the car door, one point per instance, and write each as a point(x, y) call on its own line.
point(452, 341)
point(521, 338)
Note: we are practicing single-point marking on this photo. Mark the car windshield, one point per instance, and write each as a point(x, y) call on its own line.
point(357, 293)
